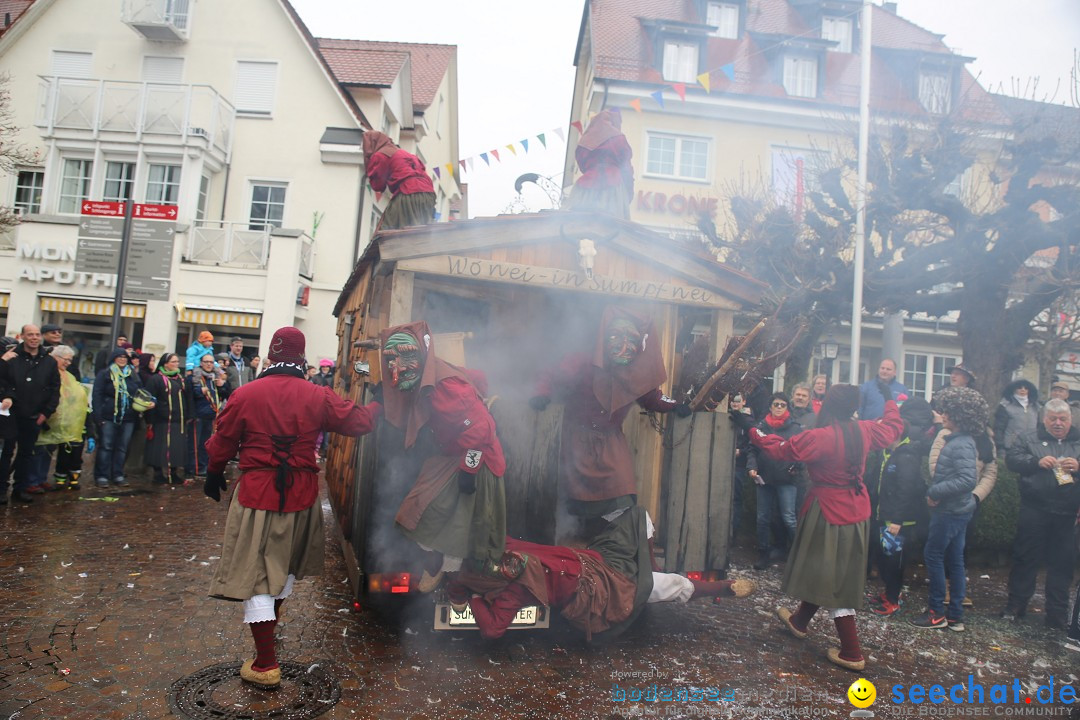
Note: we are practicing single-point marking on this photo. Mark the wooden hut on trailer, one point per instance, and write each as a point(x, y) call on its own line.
point(510, 295)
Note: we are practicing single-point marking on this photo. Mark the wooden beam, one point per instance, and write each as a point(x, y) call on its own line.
point(401, 298)
point(548, 278)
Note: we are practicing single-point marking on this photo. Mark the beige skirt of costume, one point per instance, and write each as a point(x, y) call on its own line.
point(263, 547)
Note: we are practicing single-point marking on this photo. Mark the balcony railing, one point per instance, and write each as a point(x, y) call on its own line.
point(227, 243)
point(161, 20)
point(197, 114)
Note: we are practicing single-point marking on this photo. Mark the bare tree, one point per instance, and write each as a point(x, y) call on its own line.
point(13, 154)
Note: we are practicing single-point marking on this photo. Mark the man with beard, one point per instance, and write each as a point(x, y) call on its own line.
point(457, 507)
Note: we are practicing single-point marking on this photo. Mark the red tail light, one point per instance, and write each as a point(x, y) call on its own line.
point(388, 583)
point(696, 575)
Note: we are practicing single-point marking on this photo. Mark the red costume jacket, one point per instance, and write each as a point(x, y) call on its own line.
point(596, 458)
point(462, 424)
point(607, 165)
point(562, 569)
point(822, 449)
point(282, 405)
point(403, 173)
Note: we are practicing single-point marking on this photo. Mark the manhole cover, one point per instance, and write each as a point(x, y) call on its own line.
point(218, 692)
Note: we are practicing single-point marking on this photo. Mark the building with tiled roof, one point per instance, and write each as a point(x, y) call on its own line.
point(251, 130)
point(718, 94)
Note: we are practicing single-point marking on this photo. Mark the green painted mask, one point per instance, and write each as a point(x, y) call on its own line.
point(404, 362)
point(623, 342)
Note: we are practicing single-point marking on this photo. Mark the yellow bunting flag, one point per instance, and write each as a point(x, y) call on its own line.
point(703, 78)
point(511, 148)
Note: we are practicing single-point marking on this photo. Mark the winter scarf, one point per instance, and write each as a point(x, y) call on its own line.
point(121, 398)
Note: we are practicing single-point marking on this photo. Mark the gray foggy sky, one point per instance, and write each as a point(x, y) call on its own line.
point(515, 64)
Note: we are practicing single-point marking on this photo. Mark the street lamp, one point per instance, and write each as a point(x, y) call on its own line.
point(829, 349)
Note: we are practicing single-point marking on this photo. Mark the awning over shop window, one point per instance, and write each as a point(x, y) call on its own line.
point(90, 307)
point(220, 317)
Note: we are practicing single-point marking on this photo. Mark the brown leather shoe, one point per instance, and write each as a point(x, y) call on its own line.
point(264, 678)
point(854, 665)
point(429, 582)
point(785, 617)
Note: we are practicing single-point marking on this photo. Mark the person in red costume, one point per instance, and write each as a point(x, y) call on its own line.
point(388, 166)
point(603, 155)
point(274, 530)
point(599, 589)
point(457, 507)
point(625, 368)
point(827, 563)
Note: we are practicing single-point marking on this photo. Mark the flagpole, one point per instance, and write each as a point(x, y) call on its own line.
point(860, 193)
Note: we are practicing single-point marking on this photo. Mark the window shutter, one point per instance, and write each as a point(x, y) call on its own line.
point(255, 86)
point(163, 69)
point(72, 64)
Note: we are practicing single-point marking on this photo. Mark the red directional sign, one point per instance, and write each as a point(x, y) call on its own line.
point(155, 212)
point(91, 207)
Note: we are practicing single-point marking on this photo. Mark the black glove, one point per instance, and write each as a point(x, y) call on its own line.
point(376, 393)
point(539, 403)
point(466, 482)
point(682, 410)
point(213, 485)
point(885, 390)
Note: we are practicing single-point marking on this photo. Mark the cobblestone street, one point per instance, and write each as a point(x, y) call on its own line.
point(104, 606)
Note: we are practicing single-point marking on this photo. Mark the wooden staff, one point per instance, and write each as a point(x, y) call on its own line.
point(707, 389)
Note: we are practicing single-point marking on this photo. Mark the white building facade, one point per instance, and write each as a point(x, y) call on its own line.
point(227, 110)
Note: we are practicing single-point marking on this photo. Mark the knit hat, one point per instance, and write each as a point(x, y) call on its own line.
point(287, 346)
point(206, 336)
point(118, 352)
point(841, 402)
point(966, 408)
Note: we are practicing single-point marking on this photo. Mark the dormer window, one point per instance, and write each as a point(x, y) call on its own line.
point(801, 75)
point(935, 90)
point(680, 61)
point(724, 17)
point(838, 30)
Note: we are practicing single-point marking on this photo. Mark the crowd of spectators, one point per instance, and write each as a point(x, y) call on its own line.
point(139, 411)
point(926, 489)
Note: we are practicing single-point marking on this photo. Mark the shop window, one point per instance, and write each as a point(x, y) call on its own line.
point(119, 180)
point(680, 61)
point(725, 18)
point(800, 75)
point(75, 184)
point(838, 30)
point(256, 85)
point(677, 156)
point(28, 186)
point(163, 185)
point(267, 206)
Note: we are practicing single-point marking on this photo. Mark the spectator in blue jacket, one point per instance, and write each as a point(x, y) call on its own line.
point(114, 389)
point(952, 504)
point(203, 346)
point(871, 403)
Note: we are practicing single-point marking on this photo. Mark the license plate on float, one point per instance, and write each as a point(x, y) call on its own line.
point(527, 618)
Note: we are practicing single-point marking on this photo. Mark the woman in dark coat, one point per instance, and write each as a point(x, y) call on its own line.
point(776, 481)
point(166, 447)
point(388, 166)
point(827, 564)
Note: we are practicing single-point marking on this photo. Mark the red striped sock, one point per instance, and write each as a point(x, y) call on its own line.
point(263, 633)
